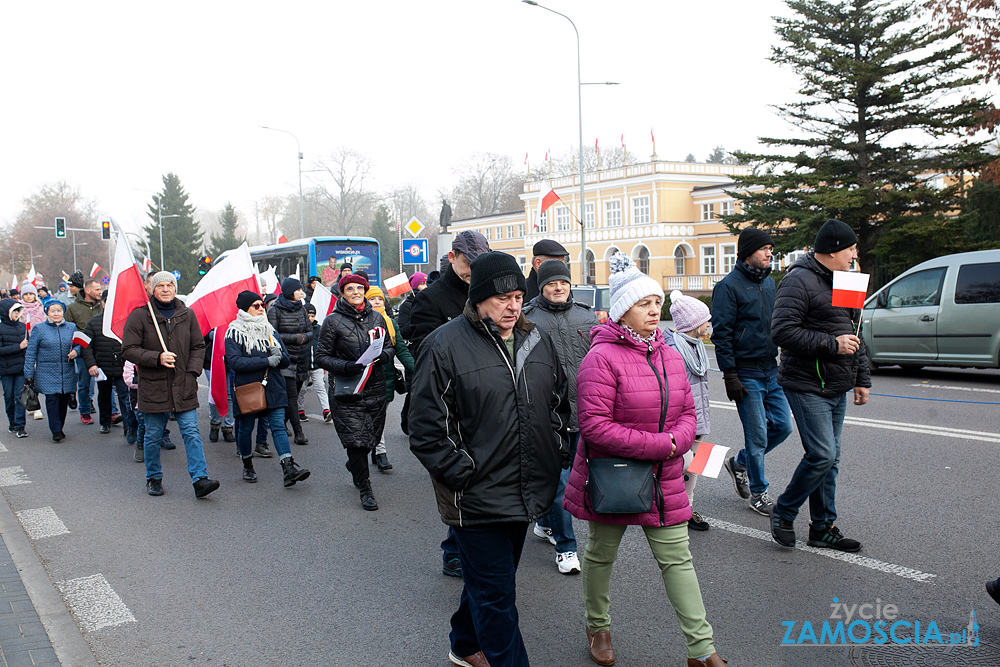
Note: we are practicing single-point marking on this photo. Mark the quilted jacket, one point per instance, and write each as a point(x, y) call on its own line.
point(11, 335)
point(45, 359)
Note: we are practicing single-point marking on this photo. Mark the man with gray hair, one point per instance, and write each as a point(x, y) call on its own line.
point(164, 342)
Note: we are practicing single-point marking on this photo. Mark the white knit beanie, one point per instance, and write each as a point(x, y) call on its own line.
point(162, 277)
point(628, 285)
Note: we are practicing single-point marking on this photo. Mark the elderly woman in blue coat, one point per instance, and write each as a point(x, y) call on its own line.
point(49, 364)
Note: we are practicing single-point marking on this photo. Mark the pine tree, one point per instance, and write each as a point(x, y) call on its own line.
point(182, 236)
point(880, 111)
point(229, 239)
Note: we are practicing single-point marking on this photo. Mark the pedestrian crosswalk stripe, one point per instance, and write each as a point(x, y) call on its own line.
point(12, 476)
point(94, 603)
point(41, 523)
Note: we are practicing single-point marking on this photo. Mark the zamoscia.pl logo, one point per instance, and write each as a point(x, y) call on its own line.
point(874, 623)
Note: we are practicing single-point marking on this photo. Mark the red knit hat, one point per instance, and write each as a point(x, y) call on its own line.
point(352, 278)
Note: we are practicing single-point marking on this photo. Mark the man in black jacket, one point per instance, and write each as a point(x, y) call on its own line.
point(104, 355)
point(490, 409)
point(822, 359)
point(543, 251)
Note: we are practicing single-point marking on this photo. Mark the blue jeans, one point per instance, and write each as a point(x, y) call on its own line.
point(12, 386)
point(214, 418)
point(85, 382)
point(486, 619)
point(278, 432)
point(187, 424)
point(766, 424)
point(561, 521)
point(820, 421)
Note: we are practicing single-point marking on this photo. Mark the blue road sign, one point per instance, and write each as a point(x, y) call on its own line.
point(177, 275)
point(414, 251)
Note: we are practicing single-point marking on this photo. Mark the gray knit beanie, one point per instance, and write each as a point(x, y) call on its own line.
point(162, 277)
point(628, 285)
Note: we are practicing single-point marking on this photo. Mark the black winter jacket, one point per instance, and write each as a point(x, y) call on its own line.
point(11, 335)
point(486, 427)
point(343, 338)
point(806, 326)
point(103, 352)
point(250, 367)
point(292, 324)
point(403, 313)
point(741, 322)
point(569, 324)
point(443, 301)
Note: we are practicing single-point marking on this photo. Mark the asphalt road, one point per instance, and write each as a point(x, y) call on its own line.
point(262, 575)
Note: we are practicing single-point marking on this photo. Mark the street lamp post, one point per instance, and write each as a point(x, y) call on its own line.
point(298, 146)
point(160, 216)
point(30, 251)
point(11, 261)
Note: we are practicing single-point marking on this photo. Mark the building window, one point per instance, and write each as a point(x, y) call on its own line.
point(488, 233)
point(708, 260)
point(562, 219)
point(728, 257)
point(791, 257)
point(642, 259)
point(510, 231)
point(521, 262)
point(520, 231)
point(613, 213)
point(679, 257)
point(640, 211)
point(588, 217)
point(775, 262)
point(707, 212)
point(727, 207)
point(591, 264)
point(543, 223)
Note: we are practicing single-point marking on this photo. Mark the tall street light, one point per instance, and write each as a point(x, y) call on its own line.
point(302, 227)
point(11, 260)
point(32, 252)
point(160, 217)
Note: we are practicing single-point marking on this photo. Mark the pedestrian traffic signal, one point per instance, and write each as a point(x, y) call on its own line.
point(61, 228)
point(204, 264)
point(106, 230)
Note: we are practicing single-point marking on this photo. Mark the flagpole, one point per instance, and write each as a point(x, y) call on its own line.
point(149, 303)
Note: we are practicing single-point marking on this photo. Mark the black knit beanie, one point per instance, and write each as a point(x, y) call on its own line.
point(494, 273)
point(245, 299)
point(834, 236)
point(289, 286)
point(751, 240)
point(552, 269)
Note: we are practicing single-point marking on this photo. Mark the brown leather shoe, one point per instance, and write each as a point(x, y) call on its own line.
point(600, 647)
point(713, 661)
point(475, 660)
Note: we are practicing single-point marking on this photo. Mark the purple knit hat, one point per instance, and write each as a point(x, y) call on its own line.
point(688, 312)
point(416, 279)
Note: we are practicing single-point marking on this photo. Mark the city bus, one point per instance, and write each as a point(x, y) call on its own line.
point(319, 255)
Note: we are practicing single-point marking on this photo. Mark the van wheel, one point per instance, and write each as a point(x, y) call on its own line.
point(872, 367)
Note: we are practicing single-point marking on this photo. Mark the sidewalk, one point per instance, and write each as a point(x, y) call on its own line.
point(23, 640)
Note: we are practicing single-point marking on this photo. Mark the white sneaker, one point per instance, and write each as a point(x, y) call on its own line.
point(544, 534)
point(39, 415)
point(568, 563)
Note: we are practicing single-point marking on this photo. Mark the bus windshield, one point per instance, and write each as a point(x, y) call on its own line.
point(362, 255)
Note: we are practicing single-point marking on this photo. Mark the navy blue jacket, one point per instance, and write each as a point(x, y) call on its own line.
point(11, 335)
point(741, 323)
point(46, 361)
point(247, 367)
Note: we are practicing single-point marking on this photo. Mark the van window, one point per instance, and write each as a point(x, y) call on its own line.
point(978, 283)
point(918, 289)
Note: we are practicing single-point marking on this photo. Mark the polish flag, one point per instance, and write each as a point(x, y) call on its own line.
point(126, 291)
point(623, 140)
point(31, 277)
point(397, 285)
point(323, 299)
point(95, 269)
point(269, 282)
point(218, 390)
point(214, 297)
point(81, 339)
point(546, 198)
point(849, 289)
point(147, 264)
point(281, 238)
point(708, 460)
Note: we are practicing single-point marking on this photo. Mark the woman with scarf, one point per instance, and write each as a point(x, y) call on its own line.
point(359, 410)
point(376, 298)
point(50, 364)
point(254, 353)
point(34, 311)
point(13, 341)
point(288, 317)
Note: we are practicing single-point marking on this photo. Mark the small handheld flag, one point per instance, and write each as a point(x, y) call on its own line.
point(81, 339)
point(708, 460)
point(849, 289)
point(397, 285)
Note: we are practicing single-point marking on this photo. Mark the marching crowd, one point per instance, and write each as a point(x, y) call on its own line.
point(521, 406)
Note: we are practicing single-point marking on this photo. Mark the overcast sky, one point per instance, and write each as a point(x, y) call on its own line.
point(112, 95)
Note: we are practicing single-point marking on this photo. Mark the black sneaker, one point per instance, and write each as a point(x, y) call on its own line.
point(58, 436)
point(452, 568)
point(105, 428)
point(154, 487)
point(12, 429)
point(21, 433)
point(831, 538)
point(739, 475)
point(204, 486)
point(72, 401)
point(993, 588)
point(213, 434)
point(782, 531)
point(697, 522)
point(166, 444)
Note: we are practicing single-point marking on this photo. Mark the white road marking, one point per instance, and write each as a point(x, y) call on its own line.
point(956, 388)
point(854, 559)
point(94, 603)
point(41, 522)
point(2, 448)
point(13, 476)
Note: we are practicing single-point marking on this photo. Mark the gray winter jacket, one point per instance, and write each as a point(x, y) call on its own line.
point(699, 387)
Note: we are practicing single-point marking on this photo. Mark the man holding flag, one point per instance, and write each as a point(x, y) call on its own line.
point(822, 359)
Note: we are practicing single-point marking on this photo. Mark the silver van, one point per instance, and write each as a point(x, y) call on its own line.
point(943, 312)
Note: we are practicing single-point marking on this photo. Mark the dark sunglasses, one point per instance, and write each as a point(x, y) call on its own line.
point(259, 304)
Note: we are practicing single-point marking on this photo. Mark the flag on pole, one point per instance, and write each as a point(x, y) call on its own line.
point(281, 238)
point(324, 302)
point(397, 285)
point(623, 140)
point(147, 264)
point(708, 460)
point(81, 339)
point(218, 390)
point(32, 276)
point(849, 289)
point(269, 282)
point(525, 158)
point(13, 281)
point(126, 291)
point(95, 269)
point(213, 299)
point(546, 198)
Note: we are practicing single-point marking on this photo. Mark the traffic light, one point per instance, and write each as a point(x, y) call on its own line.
point(204, 264)
point(106, 230)
point(60, 228)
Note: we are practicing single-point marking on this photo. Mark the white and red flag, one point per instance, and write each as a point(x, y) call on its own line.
point(81, 339)
point(623, 140)
point(546, 198)
point(324, 302)
point(397, 285)
point(213, 299)
point(849, 289)
point(282, 238)
point(32, 276)
point(218, 389)
point(708, 460)
point(95, 269)
point(147, 264)
point(269, 282)
point(126, 291)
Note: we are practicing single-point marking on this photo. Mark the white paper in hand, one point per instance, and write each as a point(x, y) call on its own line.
point(372, 353)
point(101, 377)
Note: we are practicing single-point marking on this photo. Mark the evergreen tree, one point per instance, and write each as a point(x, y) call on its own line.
point(690, 158)
point(229, 239)
point(182, 237)
point(880, 112)
point(718, 156)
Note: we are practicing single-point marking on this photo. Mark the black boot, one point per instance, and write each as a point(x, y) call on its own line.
point(382, 461)
point(228, 435)
point(213, 434)
point(248, 472)
point(293, 472)
point(367, 498)
point(300, 438)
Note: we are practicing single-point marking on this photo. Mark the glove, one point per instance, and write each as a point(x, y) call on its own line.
point(300, 339)
point(274, 356)
point(734, 388)
point(274, 350)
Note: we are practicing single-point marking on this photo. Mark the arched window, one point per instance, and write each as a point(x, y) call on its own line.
point(642, 259)
point(591, 267)
point(679, 261)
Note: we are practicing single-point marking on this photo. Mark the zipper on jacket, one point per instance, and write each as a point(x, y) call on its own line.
point(657, 491)
point(822, 382)
point(659, 381)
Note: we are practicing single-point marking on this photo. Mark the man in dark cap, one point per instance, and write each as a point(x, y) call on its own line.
point(545, 249)
point(741, 330)
point(822, 359)
point(483, 424)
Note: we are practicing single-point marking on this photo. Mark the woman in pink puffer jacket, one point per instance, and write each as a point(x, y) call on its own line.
point(634, 401)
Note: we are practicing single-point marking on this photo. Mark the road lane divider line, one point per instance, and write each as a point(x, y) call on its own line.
point(41, 523)
point(94, 604)
point(12, 476)
point(957, 388)
point(853, 559)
